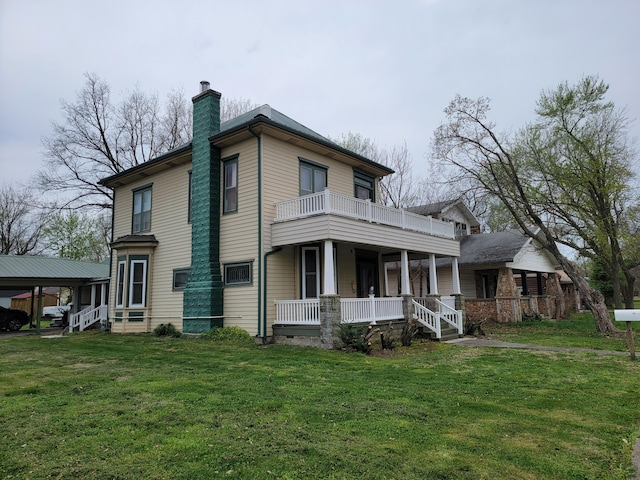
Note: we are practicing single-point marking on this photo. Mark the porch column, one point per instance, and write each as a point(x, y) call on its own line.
point(404, 269)
point(103, 294)
point(525, 287)
point(329, 287)
point(433, 276)
point(93, 296)
point(455, 274)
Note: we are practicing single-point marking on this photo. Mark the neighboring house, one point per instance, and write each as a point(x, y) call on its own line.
point(503, 275)
point(262, 223)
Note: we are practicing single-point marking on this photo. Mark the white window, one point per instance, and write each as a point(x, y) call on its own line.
point(120, 284)
point(137, 283)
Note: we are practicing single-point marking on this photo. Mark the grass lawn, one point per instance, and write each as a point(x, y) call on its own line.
point(102, 406)
point(578, 331)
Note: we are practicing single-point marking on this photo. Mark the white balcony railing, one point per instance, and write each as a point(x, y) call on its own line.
point(327, 202)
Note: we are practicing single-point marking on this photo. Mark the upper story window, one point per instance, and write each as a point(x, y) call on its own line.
point(313, 177)
point(365, 186)
point(141, 210)
point(230, 200)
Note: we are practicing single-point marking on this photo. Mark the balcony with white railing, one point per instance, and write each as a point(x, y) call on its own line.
point(328, 202)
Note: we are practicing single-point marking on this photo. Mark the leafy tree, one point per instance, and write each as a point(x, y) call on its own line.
point(98, 138)
point(20, 221)
point(77, 236)
point(564, 178)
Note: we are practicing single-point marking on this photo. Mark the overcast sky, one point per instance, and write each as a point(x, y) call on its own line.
point(384, 69)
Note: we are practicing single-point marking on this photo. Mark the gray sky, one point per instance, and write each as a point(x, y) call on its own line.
point(385, 69)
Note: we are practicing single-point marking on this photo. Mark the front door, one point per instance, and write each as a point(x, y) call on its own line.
point(367, 273)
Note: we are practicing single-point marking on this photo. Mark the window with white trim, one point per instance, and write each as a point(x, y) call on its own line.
point(120, 284)
point(137, 283)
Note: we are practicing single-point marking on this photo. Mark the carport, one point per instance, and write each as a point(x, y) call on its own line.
point(88, 281)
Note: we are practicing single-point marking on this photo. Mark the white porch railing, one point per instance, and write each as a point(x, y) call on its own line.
point(370, 309)
point(328, 202)
point(450, 315)
point(87, 317)
point(426, 317)
point(433, 320)
point(298, 312)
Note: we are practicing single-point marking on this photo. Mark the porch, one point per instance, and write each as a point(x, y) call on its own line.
point(432, 313)
point(339, 245)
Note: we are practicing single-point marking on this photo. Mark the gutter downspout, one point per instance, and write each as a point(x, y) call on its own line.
point(259, 229)
point(264, 296)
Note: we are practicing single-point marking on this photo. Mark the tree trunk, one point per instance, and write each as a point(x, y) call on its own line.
point(593, 298)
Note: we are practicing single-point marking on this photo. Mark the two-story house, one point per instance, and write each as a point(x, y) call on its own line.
point(262, 223)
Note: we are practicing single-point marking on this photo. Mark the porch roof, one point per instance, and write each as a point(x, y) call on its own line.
point(26, 270)
point(343, 229)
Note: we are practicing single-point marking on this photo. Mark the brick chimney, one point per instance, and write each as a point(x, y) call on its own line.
point(203, 293)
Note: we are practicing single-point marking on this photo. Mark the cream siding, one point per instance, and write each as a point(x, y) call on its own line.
point(169, 224)
point(239, 239)
point(344, 229)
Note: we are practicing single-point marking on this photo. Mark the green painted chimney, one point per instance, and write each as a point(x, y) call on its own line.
point(203, 300)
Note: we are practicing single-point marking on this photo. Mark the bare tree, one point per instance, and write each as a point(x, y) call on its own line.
point(556, 177)
point(98, 138)
point(400, 189)
point(20, 222)
point(234, 107)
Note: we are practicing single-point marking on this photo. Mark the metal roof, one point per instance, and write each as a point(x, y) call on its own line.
point(21, 270)
point(264, 113)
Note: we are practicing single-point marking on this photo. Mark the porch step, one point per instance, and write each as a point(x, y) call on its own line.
point(446, 333)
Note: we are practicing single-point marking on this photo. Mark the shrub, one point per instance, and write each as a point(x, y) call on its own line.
point(234, 335)
point(356, 337)
point(167, 330)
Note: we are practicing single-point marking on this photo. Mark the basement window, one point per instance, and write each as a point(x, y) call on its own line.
point(238, 273)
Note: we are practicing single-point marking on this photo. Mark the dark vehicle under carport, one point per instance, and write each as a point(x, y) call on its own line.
point(12, 319)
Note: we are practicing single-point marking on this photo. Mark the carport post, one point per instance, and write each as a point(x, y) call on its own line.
point(39, 311)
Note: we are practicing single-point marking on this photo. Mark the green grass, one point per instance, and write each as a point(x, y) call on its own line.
point(578, 331)
point(103, 406)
